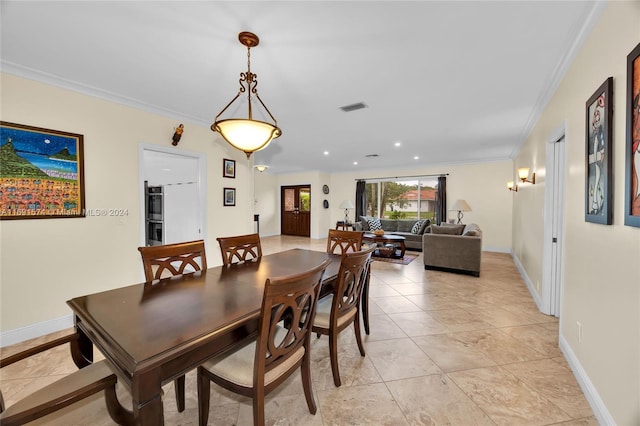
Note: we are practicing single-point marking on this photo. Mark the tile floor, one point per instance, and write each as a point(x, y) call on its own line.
point(444, 349)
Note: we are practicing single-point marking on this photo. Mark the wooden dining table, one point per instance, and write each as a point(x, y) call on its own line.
point(155, 332)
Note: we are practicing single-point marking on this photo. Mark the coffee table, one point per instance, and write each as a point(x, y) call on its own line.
point(386, 243)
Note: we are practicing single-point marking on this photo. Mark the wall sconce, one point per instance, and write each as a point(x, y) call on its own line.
point(523, 174)
point(261, 167)
point(511, 186)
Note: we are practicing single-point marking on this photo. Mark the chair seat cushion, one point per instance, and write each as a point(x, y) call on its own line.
point(237, 366)
point(323, 313)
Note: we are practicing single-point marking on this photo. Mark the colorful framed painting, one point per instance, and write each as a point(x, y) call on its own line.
point(632, 150)
point(598, 167)
point(229, 197)
point(41, 173)
point(228, 168)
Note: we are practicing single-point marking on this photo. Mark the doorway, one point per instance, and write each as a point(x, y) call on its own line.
point(295, 210)
point(553, 225)
point(181, 178)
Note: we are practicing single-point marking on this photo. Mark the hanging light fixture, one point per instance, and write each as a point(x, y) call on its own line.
point(246, 134)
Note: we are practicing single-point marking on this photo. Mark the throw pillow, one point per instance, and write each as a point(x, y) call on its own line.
point(374, 224)
point(447, 230)
point(472, 233)
point(364, 221)
point(425, 225)
point(417, 226)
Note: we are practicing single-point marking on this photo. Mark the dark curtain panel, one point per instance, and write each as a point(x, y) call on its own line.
point(441, 200)
point(361, 199)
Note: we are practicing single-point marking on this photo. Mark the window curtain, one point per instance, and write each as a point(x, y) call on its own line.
point(441, 200)
point(361, 199)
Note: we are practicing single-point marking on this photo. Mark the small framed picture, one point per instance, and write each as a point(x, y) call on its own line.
point(228, 168)
point(229, 196)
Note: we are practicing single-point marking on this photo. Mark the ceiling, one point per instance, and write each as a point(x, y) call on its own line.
point(451, 82)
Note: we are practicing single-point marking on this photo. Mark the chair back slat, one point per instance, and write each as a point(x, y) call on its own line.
point(288, 309)
point(173, 259)
point(351, 278)
point(339, 241)
point(240, 248)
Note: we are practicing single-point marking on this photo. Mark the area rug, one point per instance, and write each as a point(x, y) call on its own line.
point(407, 259)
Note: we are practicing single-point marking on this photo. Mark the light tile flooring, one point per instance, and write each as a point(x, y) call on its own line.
point(444, 349)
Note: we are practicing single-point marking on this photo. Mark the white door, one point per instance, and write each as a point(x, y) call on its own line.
point(553, 226)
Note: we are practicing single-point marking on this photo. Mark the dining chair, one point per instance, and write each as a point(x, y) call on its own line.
point(257, 366)
point(240, 248)
point(80, 384)
point(340, 241)
point(338, 310)
point(173, 259)
point(170, 260)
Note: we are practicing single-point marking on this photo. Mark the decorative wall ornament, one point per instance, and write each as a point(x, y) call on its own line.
point(177, 135)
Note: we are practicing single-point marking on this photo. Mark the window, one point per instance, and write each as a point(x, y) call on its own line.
point(402, 199)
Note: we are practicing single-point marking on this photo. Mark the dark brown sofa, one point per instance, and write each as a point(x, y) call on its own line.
point(443, 248)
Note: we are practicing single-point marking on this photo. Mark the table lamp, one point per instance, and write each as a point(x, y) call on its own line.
point(346, 205)
point(461, 206)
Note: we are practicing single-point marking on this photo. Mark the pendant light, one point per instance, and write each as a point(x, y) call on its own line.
point(246, 134)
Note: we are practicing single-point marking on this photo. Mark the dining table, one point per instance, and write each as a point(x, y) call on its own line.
point(155, 332)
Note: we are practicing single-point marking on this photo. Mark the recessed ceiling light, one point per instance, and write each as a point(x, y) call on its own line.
point(326, 153)
point(397, 144)
point(416, 158)
point(355, 163)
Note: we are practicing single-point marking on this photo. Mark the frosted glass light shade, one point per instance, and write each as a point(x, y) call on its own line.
point(523, 173)
point(246, 135)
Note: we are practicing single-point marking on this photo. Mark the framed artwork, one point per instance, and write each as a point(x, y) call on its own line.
point(229, 196)
point(632, 151)
point(228, 168)
point(598, 167)
point(41, 173)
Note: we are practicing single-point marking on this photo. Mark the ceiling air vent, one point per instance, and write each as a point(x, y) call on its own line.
point(371, 155)
point(353, 107)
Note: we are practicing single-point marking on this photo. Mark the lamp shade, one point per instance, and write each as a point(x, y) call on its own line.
point(523, 173)
point(246, 135)
point(347, 204)
point(461, 206)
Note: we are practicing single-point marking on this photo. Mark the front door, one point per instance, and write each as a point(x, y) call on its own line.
point(296, 210)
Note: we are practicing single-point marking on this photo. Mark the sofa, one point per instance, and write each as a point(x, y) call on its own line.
point(403, 227)
point(453, 248)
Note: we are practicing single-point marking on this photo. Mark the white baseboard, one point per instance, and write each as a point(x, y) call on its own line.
point(497, 249)
point(527, 281)
point(18, 335)
point(589, 390)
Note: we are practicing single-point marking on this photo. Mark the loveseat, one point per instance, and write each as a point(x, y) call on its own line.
point(403, 227)
point(454, 248)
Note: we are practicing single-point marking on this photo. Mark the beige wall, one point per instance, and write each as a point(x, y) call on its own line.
point(483, 186)
point(601, 263)
point(46, 262)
